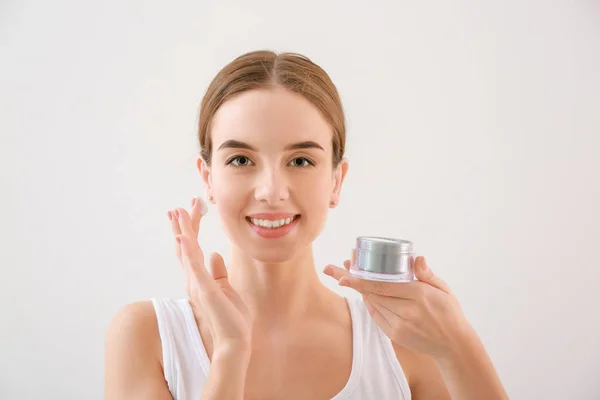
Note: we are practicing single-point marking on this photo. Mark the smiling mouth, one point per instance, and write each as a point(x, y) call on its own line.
point(272, 224)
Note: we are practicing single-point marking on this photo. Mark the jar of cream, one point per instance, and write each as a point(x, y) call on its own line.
point(383, 259)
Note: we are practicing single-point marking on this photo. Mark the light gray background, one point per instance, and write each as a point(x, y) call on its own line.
point(472, 130)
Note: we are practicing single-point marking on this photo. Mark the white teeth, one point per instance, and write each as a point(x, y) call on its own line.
point(265, 223)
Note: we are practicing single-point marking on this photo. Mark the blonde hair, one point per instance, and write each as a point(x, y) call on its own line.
point(264, 69)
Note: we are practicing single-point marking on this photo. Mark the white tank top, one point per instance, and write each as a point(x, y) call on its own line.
point(376, 372)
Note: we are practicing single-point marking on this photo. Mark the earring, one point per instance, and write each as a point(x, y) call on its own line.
point(334, 203)
point(210, 198)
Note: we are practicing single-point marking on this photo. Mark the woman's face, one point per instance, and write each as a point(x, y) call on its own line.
point(271, 174)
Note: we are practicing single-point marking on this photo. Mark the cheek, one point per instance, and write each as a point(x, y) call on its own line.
point(316, 188)
point(316, 196)
point(231, 194)
point(227, 184)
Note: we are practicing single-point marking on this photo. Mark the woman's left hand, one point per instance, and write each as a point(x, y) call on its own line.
point(423, 316)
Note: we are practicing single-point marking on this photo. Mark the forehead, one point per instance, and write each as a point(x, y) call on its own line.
point(270, 117)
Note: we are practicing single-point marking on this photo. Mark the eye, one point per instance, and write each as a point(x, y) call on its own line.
point(301, 162)
point(239, 161)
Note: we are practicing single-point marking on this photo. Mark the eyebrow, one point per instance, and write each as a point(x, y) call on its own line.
point(236, 144)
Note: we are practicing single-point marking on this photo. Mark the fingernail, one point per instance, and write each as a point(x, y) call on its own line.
point(193, 201)
point(344, 282)
point(170, 216)
point(327, 271)
point(178, 240)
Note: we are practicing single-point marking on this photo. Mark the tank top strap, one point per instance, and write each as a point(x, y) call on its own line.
point(378, 350)
point(184, 356)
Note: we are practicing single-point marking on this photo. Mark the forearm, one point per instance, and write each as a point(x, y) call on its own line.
point(469, 372)
point(227, 377)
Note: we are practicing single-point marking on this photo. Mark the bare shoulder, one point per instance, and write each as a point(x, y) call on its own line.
point(133, 361)
point(134, 316)
point(423, 375)
point(135, 325)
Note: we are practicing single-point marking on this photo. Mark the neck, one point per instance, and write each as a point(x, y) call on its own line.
point(277, 293)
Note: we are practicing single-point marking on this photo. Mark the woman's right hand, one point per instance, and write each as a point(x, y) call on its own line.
point(228, 317)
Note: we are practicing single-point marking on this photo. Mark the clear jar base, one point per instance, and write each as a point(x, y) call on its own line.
point(374, 276)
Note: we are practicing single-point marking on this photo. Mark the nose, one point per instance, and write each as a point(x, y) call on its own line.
point(272, 186)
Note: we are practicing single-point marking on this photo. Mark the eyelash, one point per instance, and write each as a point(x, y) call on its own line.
point(231, 161)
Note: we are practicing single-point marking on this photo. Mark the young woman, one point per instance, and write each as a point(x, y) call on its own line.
point(272, 138)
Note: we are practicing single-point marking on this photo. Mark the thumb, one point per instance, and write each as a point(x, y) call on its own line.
point(218, 269)
point(425, 274)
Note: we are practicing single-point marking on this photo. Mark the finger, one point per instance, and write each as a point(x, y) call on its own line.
point(347, 265)
point(406, 290)
point(335, 272)
point(206, 290)
point(218, 270)
point(197, 211)
point(185, 223)
point(425, 274)
point(193, 260)
point(174, 221)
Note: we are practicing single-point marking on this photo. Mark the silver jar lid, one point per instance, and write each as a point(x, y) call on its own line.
point(383, 245)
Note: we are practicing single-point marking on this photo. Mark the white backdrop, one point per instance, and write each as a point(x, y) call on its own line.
point(472, 130)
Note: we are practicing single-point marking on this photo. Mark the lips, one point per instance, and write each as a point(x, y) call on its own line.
point(273, 225)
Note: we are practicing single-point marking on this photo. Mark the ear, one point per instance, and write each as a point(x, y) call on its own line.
point(204, 171)
point(338, 178)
